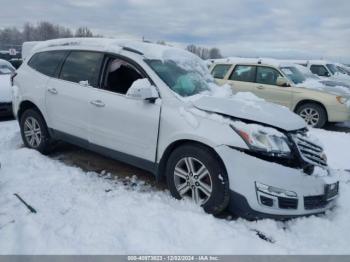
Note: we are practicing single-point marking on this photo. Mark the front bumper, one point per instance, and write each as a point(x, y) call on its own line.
point(336, 114)
point(6, 109)
point(245, 172)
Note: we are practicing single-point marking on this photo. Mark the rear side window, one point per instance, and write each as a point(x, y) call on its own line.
point(219, 71)
point(47, 63)
point(82, 66)
point(319, 70)
point(244, 73)
point(267, 75)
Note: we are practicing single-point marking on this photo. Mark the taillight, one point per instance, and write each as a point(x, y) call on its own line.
point(13, 77)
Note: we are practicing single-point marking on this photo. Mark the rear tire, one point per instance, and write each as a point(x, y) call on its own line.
point(34, 131)
point(195, 171)
point(313, 114)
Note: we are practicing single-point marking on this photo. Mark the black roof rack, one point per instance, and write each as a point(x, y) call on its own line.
point(132, 50)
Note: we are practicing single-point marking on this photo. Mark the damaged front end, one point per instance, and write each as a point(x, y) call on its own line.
point(282, 174)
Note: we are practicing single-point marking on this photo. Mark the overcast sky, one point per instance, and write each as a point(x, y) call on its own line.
point(275, 28)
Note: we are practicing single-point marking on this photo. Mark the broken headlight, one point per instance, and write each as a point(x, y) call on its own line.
point(263, 139)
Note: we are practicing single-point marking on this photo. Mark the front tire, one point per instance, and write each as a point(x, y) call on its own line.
point(313, 114)
point(194, 171)
point(34, 131)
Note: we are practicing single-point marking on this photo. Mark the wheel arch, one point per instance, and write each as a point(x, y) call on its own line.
point(310, 101)
point(160, 174)
point(25, 105)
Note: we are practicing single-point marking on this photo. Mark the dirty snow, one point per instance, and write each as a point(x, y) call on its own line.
point(85, 213)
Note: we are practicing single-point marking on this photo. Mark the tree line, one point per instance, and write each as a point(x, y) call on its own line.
point(202, 52)
point(14, 37)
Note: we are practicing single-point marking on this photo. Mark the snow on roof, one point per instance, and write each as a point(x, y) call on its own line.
point(272, 61)
point(148, 50)
point(233, 60)
point(263, 61)
point(320, 62)
point(295, 61)
point(309, 61)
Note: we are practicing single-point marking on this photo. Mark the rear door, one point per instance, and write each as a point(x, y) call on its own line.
point(42, 67)
point(67, 97)
point(242, 78)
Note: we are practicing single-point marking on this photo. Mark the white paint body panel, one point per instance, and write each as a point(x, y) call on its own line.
point(131, 126)
point(123, 124)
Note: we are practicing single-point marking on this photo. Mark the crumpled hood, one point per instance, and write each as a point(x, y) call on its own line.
point(252, 110)
point(5, 88)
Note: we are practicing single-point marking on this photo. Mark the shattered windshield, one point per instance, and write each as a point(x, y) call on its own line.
point(186, 79)
point(293, 74)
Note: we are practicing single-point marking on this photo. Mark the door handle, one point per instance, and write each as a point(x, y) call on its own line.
point(260, 87)
point(53, 91)
point(97, 103)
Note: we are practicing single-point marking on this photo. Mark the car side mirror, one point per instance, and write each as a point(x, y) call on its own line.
point(142, 89)
point(281, 81)
point(326, 74)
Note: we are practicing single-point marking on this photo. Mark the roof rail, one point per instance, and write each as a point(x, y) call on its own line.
point(132, 50)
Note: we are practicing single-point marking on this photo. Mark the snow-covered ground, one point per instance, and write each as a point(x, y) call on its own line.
point(85, 213)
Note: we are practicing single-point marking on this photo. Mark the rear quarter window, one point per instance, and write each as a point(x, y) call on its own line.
point(220, 71)
point(48, 62)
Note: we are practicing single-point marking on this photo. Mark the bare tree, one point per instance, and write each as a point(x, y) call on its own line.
point(215, 53)
point(203, 52)
point(83, 32)
point(13, 37)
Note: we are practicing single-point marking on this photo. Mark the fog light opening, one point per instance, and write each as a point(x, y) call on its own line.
point(275, 191)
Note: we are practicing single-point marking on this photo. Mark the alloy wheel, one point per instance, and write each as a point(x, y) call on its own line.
point(32, 132)
point(192, 179)
point(310, 115)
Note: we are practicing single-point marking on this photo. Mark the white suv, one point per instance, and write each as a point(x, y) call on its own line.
point(157, 107)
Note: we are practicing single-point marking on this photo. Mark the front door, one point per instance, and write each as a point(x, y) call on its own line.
point(266, 87)
point(117, 122)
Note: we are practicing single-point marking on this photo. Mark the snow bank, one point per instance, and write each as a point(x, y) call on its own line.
point(336, 145)
point(83, 213)
point(88, 213)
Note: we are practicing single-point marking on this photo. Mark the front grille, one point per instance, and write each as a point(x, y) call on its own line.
point(309, 151)
point(287, 203)
point(314, 202)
